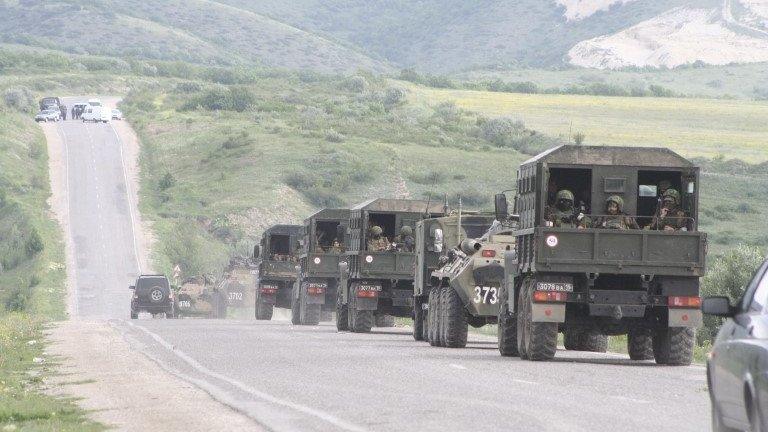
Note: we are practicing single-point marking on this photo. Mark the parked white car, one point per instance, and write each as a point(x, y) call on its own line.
point(117, 114)
point(48, 115)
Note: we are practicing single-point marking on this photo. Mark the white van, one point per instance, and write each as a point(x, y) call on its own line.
point(96, 114)
point(94, 102)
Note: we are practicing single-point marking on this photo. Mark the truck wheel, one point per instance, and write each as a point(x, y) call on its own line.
point(360, 321)
point(507, 333)
point(309, 313)
point(572, 338)
point(580, 339)
point(454, 320)
point(295, 310)
point(640, 345)
point(432, 311)
point(442, 328)
point(263, 311)
point(541, 337)
point(385, 321)
point(418, 320)
point(342, 312)
point(523, 307)
point(673, 345)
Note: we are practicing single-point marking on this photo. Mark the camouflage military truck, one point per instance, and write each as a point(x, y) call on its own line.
point(197, 297)
point(322, 246)
point(239, 283)
point(276, 259)
point(458, 276)
point(636, 274)
point(376, 272)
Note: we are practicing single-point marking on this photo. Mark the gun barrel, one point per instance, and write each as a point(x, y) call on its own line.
point(470, 246)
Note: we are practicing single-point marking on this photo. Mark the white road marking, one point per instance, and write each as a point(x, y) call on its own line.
point(458, 366)
point(128, 196)
point(629, 399)
point(521, 381)
point(75, 289)
point(326, 417)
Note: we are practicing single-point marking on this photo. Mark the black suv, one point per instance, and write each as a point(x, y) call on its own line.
point(152, 293)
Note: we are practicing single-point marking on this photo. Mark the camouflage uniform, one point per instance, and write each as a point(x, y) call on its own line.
point(405, 240)
point(618, 220)
point(562, 215)
point(337, 247)
point(376, 241)
point(670, 217)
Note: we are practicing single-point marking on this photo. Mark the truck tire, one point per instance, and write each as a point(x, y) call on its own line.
point(640, 345)
point(540, 337)
point(418, 320)
point(522, 331)
point(581, 339)
point(432, 312)
point(309, 313)
point(507, 333)
point(442, 295)
point(264, 311)
point(385, 321)
point(454, 320)
point(360, 321)
point(673, 345)
point(295, 309)
point(342, 312)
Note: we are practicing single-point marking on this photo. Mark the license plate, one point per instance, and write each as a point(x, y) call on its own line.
point(554, 286)
point(369, 287)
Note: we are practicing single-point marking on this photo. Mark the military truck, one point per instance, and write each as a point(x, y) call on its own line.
point(316, 284)
point(590, 282)
point(276, 258)
point(458, 275)
point(198, 297)
point(378, 281)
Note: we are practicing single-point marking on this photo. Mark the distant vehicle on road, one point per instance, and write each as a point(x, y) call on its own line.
point(153, 294)
point(96, 114)
point(117, 114)
point(48, 115)
point(276, 258)
point(94, 102)
point(197, 297)
point(49, 103)
point(737, 370)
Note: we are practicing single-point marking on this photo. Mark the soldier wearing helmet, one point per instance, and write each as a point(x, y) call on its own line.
point(377, 241)
point(563, 215)
point(670, 217)
point(615, 218)
point(405, 241)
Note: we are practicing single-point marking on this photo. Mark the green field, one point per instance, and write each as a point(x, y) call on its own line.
point(692, 127)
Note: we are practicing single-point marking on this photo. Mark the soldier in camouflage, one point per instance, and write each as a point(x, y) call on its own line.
point(563, 214)
point(377, 242)
point(405, 241)
point(615, 217)
point(670, 217)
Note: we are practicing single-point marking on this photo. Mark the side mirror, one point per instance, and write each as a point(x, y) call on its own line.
point(131, 287)
point(256, 251)
point(718, 306)
point(501, 207)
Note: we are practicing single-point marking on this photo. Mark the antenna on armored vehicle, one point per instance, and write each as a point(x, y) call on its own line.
point(459, 218)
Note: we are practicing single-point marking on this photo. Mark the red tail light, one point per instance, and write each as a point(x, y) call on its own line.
point(315, 290)
point(549, 296)
point(368, 294)
point(268, 290)
point(684, 302)
point(489, 253)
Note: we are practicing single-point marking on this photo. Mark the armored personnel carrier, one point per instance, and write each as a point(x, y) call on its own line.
point(197, 297)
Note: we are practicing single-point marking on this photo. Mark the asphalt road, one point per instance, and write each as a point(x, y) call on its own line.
point(291, 378)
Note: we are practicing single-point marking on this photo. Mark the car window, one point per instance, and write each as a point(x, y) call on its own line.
point(759, 286)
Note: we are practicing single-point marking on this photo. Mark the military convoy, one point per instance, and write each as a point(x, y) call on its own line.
point(198, 297)
point(276, 258)
point(601, 241)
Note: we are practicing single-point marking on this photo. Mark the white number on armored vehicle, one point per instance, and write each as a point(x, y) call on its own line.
point(486, 295)
point(185, 304)
point(235, 295)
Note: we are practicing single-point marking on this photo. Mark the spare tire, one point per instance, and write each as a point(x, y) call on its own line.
point(156, 294)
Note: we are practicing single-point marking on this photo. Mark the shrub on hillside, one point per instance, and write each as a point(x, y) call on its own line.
point(233, 141)
point(728, 276)
point(334, 137)
point(394, 96)
point(511, 133)
point(222, 98)
point(428, 178)
point(357, 84)
point(20, 99)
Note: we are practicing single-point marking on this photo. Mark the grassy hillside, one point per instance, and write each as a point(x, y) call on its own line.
point(199, 31)
point(693, 127)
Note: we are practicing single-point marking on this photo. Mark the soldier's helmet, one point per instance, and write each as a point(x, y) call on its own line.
point(564, 198)
point(665, 184)
point(672, 195)
point(615, 199)
point(376, 230)
point(406, 230)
